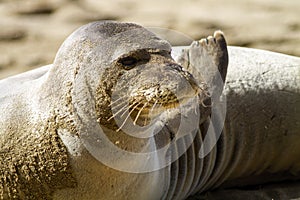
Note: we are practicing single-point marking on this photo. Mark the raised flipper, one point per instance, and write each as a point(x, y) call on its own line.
point(207, 60)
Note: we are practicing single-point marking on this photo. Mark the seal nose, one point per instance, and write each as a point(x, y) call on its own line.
point(165, 84)
point(184, 73)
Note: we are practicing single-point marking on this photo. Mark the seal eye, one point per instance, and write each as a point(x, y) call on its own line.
point(128, 62)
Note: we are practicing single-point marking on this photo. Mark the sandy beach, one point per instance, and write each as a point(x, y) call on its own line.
point(32, 31)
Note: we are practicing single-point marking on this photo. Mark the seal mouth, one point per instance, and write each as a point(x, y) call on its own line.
point(142, 109)
point(153, 108)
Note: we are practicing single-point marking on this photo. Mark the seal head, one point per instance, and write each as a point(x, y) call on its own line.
point(125, 67)
point(106, 71)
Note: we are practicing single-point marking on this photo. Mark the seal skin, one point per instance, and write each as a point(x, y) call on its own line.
point(260, 140)
point(42, 155)
point(46, 112)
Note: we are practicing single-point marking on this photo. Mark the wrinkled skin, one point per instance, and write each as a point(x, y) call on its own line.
point(259, 147)
point(54, 110)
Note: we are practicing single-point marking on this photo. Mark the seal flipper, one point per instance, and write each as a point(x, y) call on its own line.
point(207, 60)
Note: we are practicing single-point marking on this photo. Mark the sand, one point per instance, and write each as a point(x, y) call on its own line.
point(32, 31)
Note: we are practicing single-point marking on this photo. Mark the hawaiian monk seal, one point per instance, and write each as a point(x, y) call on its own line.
point(48, 133)
point(48, 149)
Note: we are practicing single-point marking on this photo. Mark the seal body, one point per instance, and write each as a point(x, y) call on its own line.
point(111, 77)
point(47, 113)
point(260, 140)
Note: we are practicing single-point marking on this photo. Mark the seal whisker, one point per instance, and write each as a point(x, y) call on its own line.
point(128, 115)
point(206, 93)
point(155, 103)
point(117, 100)
point(203, 104)
point(120, 104)
point(133, 106)
point(145, 121)
point(122, 109)
point(140, 111)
